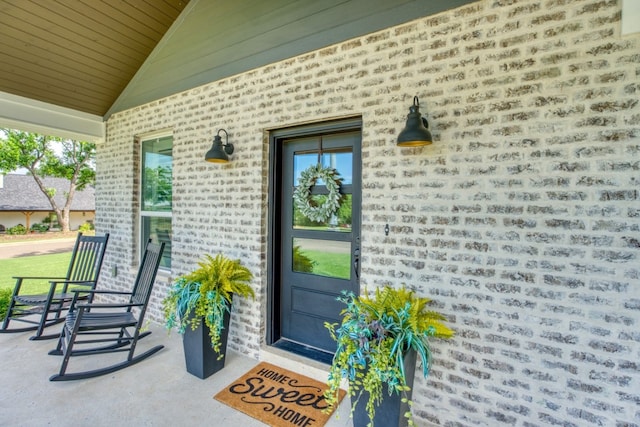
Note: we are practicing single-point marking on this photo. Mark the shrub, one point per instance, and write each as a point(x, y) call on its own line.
point(18, 229)
point(87, 226)
point(39, 228)
point(301, 262)
point(5, 297)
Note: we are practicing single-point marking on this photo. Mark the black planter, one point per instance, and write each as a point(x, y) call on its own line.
point(202, 361)
point(390, 412)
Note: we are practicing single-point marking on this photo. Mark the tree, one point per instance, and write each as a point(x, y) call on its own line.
point(72, 160)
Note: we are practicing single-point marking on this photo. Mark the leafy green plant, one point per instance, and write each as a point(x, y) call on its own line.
point(206, 293)
point(39, 228)
point(87, 226)
point(301, 262)
point(375, 334)
point(17, 229)
point(5, 298)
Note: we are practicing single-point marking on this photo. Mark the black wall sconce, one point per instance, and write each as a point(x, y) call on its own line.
point(219, 152)
point(416, 131)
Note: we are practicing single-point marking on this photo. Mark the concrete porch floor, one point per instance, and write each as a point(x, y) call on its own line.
point(156, 392)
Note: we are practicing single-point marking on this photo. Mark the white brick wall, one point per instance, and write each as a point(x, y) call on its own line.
point(521, 221)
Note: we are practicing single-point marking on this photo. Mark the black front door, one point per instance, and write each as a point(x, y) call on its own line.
point(314, 261)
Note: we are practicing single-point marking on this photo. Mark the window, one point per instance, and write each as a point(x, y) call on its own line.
point(156, 194)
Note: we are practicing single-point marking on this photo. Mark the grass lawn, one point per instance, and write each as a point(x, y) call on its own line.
point(330, 264)
point(54, 265)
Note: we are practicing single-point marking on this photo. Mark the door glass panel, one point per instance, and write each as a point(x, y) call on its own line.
point(341, 160)
point(340, 221)
point(322, 257)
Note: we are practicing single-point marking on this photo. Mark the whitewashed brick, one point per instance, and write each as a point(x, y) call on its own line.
point(521, 221)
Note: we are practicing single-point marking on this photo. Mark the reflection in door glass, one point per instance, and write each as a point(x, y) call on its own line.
point(339, 160)
point(340, 221)
point(322, 257)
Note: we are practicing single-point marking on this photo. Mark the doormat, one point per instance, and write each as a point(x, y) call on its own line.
point(278, 397)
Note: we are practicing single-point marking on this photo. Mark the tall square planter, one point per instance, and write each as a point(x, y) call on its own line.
point(201, 360)
point(390, 412)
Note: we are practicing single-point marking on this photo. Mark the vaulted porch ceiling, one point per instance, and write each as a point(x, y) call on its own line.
point(65, 65)
point(78, 55)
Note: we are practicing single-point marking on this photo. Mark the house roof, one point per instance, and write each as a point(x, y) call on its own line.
point(21, 193)
point(67, 65)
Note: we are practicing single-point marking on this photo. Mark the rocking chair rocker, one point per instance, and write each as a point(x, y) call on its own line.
point(83, 272)
point(92, 328)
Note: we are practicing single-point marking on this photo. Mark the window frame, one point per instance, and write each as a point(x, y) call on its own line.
point(142, 213)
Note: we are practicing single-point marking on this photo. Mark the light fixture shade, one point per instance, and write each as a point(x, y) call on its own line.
point(219, 153)
point(415, 132)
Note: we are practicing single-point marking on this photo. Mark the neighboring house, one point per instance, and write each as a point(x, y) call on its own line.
point(22, 202)
point(521, 221)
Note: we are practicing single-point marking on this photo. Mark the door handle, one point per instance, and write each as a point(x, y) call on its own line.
point(356, 262)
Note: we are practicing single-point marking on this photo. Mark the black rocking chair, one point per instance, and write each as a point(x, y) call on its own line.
point(83, 272)
point(92, 328)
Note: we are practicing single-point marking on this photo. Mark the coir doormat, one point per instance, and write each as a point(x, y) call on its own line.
point(278, 397)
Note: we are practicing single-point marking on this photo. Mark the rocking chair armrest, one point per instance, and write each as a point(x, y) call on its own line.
point(64, 283)
point(122, 305)
point(91, 292)
point(95, 291)
point(74, 282)
point(39, 278)
point(20, 280)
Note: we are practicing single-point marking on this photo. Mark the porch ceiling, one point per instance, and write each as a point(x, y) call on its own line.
point(66, 65)
point(78, 55)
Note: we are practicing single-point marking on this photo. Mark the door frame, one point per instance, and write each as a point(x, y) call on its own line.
point(276, 136)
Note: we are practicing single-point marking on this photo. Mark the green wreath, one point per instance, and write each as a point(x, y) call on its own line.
point(302, 193)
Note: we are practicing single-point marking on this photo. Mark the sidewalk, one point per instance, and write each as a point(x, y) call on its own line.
point(35, 247)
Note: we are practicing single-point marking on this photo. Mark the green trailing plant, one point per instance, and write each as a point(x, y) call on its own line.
point(375, 334)
point(205, 294)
